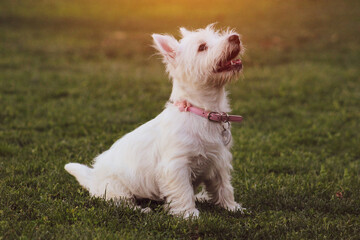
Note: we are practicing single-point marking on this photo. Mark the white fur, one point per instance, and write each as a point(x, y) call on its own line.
point(168, 157)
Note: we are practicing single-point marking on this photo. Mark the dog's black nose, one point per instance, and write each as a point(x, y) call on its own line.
point(234, 39)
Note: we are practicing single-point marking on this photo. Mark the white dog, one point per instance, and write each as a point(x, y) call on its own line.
point(187, 144)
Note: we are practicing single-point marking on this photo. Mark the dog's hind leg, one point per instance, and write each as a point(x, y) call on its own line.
point(113, 188)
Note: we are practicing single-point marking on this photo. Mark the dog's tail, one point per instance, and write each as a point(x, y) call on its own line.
point(81, 172)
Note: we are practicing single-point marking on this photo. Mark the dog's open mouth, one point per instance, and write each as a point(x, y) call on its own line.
point(230, 63)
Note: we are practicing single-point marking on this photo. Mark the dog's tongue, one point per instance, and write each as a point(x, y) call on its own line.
point(233, 62)
point(236, 61)
point(229, 65)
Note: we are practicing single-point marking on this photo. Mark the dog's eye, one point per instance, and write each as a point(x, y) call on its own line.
point(202, 47)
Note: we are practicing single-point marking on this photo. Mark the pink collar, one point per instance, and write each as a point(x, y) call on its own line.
point(185, 106)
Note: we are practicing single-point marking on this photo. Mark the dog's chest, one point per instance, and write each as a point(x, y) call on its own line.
point(214, 136)
point(199, 166)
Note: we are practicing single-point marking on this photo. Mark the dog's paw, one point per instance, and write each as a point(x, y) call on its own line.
point(141, 209)
point(236, 207)
point(194, 213)
point(146, 210)
point(202, 196)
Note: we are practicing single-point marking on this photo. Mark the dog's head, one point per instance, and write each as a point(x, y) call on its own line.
point(202, 57)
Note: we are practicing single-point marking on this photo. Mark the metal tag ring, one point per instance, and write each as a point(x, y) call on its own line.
point(226, 116)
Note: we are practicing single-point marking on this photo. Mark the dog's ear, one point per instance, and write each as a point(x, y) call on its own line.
point(184, 31)
point(167, 46)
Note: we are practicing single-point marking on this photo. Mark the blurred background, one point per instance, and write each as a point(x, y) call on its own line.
point(90, 29)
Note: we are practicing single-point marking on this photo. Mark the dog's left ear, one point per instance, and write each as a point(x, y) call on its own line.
point(167, 46)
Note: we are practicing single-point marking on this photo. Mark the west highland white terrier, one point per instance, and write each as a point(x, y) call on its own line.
point(188, 144)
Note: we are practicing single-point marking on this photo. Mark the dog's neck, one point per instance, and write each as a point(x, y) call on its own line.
point(208, 98)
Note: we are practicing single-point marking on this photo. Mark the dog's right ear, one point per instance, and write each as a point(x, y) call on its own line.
point(167, 46)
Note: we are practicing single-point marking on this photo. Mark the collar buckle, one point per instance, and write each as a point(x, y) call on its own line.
point(218, 117)
point(209, 116)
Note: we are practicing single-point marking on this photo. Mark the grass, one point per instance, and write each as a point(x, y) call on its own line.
point(76, 75)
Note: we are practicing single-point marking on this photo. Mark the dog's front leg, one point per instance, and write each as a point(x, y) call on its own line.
point(175, 185)
point(219, 186)
point(221, 192)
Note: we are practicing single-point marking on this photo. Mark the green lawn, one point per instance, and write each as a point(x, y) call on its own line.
point(77, 75)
